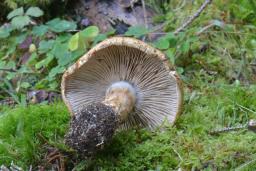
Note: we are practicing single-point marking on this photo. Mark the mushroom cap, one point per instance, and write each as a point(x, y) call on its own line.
point(158, 87)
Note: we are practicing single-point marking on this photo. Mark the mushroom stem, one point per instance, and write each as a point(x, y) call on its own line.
point(121, 97)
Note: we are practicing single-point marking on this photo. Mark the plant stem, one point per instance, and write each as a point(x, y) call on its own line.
point(193, 17)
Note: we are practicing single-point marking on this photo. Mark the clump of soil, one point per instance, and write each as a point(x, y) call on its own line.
point(92, 127)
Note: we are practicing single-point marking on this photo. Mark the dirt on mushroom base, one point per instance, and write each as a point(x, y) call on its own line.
point(92, 127)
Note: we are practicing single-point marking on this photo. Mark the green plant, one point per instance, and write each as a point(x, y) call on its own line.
point(13, 4)
point(20, 19)
point(34, 57)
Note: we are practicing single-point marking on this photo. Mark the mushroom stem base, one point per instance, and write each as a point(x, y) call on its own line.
point(91, 128)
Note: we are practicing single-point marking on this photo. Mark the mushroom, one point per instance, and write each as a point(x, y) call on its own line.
point(120, 83)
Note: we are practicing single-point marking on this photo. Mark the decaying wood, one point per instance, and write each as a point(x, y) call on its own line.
point(117, 14)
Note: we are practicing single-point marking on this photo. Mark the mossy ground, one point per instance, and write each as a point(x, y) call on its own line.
point(219, 80)
point(24, 130)
point(186, 145)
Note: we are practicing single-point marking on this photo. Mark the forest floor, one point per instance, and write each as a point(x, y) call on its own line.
point(27, 134)
point(216, 59)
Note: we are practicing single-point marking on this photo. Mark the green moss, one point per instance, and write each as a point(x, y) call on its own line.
point(23, 129)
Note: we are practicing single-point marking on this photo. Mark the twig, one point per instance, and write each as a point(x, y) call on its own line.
point(182, 4)
point(245, 108)
point(178, 154)
point(9, 70)
point(193, 17)
point(145, 17)
point(144, 13)
point(15, 70)
point(245, 165)
point(158, 27)
point(204, 29)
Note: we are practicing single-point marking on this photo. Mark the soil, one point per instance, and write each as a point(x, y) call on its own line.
point(91, 128)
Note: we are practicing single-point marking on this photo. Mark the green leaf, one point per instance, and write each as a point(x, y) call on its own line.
point(90, 32)
point(63, 37)
point(83, 42)
point(162, 44)
point(253, 43)
point(20, 127)
point(23, 101)
point(10, 65)
point(11, 4)
point(32, 58)
point(81, 39)
point(99, 38)
point(73, 42)
point(180, 70)
point(55, 71)
point(60, 50)
point(41, 84)
point(137, 31)
point(54, 85)
point(77, 54)
point(45, 62)
point(2, 64)
point(11, 49)
point(171, 38)
point(170, 54)
point(40, 30)
point(20, 38)
point(24, 69)
point(4, 32)
point(110, 32)
point(25, 85)
point(184, 48)
point(34, 12)
point(16, 12)
point(20, 22)
point(57, 25)
point(65, 59)
point(218, 23)
point(11, 75)
point(45, 46)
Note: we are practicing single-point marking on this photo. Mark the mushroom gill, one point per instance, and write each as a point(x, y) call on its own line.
point(156, 90)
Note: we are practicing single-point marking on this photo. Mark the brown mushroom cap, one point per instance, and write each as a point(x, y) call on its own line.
point(158, 87)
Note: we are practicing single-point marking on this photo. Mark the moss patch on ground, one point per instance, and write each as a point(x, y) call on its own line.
point(187, 145)
point(24, 130)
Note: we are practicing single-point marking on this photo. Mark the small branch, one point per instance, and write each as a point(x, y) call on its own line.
point(15, 70)
point(204, 29)
point(8, 70)
point(158, 27)
point(193, 17)
point(144, 13)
